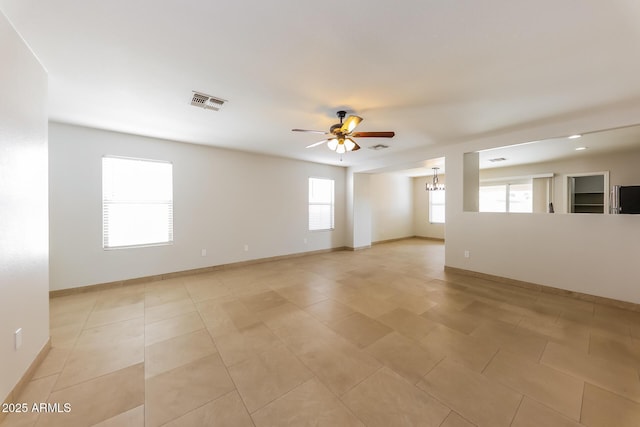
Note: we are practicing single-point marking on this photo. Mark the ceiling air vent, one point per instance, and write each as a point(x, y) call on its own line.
point(378, 147)
point(207, 102)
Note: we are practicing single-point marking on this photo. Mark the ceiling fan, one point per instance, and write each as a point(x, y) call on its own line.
point(342, 134)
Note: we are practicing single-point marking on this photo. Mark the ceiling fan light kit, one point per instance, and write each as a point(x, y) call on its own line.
point(350, 144)
point(343, 134)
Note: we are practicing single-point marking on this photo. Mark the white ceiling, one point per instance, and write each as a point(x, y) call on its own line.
point(433, 71)
point(425, 168)
point(607, 141)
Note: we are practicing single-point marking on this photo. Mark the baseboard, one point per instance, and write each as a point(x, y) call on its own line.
point(165, 276)
point(546, 289)
point(437, 239)
point(26, 377)
point(357, 248)
point(378, 242)
point(397, 239)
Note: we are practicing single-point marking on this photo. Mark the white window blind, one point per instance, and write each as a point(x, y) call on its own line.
point(436, 207)
point(137, 202)
point(321, 204)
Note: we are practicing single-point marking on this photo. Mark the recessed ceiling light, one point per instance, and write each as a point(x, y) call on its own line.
point(580, 148)
point(574, 136)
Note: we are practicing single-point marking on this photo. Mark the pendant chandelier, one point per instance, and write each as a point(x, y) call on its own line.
point(434, 185)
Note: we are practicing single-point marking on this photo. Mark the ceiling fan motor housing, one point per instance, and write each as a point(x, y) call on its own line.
point(341, 115)
point(335, 128)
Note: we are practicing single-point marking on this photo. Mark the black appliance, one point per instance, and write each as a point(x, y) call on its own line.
point(625, 199)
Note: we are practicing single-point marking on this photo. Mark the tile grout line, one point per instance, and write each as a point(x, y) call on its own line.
point(544, 350)
point(173, 316)
point(431, 396)
point(584, 386)
point(491, 360)
point(360, 382)
point(340, 398)
point(426, 373)
point(282, 395)
point(588, 380)
point(618, 395)
point(73, 347)
point(535, 399)
point(178, 367)
point(513, 418)
point(82, 329)
point(199, 407)
point(314, 375)
point(235, 386)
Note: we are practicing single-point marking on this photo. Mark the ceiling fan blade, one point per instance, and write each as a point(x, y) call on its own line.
point(356, 148)
point(315, 144)
point(349, 144)
point(310, 131)
point(373, 134)
point(350, 124)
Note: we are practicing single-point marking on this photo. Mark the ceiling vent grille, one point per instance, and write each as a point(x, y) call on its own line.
point(378, 147)
point(207, 102)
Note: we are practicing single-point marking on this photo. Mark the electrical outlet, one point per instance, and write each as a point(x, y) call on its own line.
point(18, 338)
point(203, 252)
point(467, 254)
point(246, 248)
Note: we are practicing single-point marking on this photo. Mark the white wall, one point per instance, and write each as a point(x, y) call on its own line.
point(361, 220)
point(24, 249)
point(592, 254)
point(223, 200)
point(421, 225)
point(391, 198)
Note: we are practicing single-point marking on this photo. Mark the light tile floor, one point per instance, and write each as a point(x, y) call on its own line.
point(380, 337)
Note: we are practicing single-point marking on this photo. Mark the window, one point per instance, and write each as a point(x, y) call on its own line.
point(137, 202)
point(321, 197)
point(520, 198)
point(493, 198)
point(516, 197)
point(436, 207)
